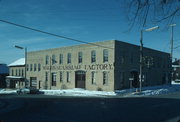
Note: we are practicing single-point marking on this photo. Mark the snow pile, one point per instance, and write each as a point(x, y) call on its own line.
point(77, 92)
point(155, 90)
point(4, 91)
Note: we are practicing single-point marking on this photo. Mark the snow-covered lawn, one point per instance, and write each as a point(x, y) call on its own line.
point(146, 91)
point(77, 92)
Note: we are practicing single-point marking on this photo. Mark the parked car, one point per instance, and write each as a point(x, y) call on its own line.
point(29, 90)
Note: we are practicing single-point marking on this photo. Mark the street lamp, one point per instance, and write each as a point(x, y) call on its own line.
point(171, 42)
point(25, 49)
point(141, 54)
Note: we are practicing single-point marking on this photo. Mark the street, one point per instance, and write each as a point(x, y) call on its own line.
point(83, 109)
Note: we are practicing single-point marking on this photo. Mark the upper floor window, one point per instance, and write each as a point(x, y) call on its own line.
point(53, 59)
point(12, 72)
point(34, 67)
point(80, 54)
point(93, 56)
point(19, 72)
point(47, 59)
point(31, 67)
point(105, 55)
point(69, 58)
point(39, 67)
point(61, 59)
point(16, 72)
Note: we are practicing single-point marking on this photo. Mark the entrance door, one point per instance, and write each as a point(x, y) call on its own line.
point(80, 78)
point(135, 81)
point(33, 82)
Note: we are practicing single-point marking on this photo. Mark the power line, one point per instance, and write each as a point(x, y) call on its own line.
point(64, 37)
point(177, 47)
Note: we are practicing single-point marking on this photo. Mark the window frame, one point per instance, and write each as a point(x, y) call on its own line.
point(105, 78)
point(105, 55)
point(69, 58)
point(93, 56)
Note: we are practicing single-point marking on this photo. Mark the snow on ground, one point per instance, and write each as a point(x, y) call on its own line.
point(146, 91)
point(5, 91)
point(78, 92)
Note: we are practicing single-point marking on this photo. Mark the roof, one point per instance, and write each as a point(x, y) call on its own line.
point(19, 62)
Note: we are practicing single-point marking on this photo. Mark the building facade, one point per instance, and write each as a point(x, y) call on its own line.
point(108, 65)
point(16, 78)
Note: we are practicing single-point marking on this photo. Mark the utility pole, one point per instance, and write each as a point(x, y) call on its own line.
point(172, 39)
point(141, 63)
point(171, 42)
point(141, 55)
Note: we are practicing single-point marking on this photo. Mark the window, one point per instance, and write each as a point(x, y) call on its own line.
point(16, 72)
point(22, 72)
point(93, 56)
point(46, 76)
point(105, 55)
point(61, 59)
point(39, 67)
point(68, 76)
point(27, 67)
point(47, 59)
point(53, 59)
point(12, 72)
point(105, 78)
point(34, 67)
point(69, 58)
point(53, 79)
point(93, 78)
point(80, 57)
point(61, 76)
point(30, 67)
point(19, 72)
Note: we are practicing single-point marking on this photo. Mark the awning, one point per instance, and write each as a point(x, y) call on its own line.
point(15, 78)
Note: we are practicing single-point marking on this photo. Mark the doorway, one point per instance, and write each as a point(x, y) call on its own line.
point(80, 78)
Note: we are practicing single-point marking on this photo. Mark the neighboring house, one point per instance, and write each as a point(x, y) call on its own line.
point(176, 71)
point(113, 65)
point(4, 71)
point(16, 74)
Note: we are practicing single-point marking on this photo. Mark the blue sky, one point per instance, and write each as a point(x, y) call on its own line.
point(86, 20)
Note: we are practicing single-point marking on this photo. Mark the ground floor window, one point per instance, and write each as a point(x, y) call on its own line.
point(105, 78)
point(61, 76)
point(93, 81)
point(54, 79)
point(68, 76)
point(46, 76)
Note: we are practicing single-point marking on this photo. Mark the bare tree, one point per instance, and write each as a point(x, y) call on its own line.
point(151, 11)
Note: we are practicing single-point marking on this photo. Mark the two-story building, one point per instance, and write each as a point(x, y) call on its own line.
point(108, 65)
point(16, 78)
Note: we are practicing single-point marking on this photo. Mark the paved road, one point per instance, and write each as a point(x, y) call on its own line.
point(66, 109)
